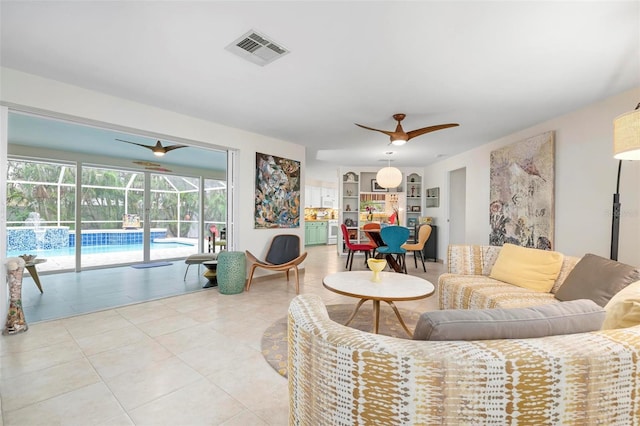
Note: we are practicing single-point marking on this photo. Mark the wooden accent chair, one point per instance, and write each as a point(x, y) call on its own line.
point(283, 254)
point(424, 232)
point(375, 226)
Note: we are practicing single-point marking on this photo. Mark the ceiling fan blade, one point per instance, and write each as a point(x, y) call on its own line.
point(386, 132)
point(135, 143)
point(418, 132)
point(172, 147)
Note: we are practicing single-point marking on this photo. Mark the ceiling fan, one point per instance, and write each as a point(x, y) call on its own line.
point(158, 149)
point(400, 137)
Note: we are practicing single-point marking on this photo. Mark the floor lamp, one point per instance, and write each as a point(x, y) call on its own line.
point(626, 146)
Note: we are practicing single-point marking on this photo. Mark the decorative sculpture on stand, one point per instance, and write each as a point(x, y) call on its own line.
point(15, 316)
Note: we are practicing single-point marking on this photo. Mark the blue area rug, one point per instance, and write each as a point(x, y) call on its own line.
point(151, 265)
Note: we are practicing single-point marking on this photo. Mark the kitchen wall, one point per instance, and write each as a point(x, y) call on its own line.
point(585, 182)
point(312, 213)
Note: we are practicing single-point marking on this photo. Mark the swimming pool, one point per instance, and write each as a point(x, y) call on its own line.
point(27, 238)
point(111, 248)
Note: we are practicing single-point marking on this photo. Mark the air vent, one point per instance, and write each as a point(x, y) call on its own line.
point(257, 48)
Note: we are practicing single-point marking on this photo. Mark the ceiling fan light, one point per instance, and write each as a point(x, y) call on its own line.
point(389, 177)
point(398, 142)
point(158, 153)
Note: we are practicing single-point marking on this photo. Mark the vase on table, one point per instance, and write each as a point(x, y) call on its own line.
point(16, 322)
point(376, 265)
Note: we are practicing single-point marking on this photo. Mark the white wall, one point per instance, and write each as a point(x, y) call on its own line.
point(585, 182)
point(26, 90)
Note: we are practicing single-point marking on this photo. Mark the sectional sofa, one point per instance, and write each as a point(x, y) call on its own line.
point(342, 376)
point(467, 284)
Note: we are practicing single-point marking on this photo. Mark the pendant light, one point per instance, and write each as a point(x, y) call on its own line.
point(389, 177)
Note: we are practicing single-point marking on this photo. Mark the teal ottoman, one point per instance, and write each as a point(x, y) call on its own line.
point(232, 272)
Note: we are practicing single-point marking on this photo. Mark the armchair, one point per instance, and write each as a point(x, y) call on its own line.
point(283, 254)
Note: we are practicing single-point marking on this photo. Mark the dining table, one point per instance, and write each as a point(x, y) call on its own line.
point(374, 234)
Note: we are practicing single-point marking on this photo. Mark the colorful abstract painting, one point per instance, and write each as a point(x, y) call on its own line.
point(277, 197)
point(521, 209)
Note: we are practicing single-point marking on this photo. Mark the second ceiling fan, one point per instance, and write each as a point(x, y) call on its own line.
point(158, 149)
point(400, 137)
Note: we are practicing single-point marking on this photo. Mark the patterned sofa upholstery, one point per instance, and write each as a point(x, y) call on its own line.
point(342, 376)
point(467, 284)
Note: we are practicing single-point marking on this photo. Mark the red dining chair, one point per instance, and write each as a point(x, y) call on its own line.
point(366, 248)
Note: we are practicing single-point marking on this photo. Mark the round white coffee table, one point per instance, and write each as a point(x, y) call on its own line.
point(393, 287)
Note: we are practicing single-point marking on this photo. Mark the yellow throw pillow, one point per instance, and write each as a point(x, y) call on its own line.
point(623, 310)
point(527, 267)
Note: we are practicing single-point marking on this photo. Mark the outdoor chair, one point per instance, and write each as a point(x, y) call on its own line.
point(283, 254)
point(197, 259)
point(217, 239)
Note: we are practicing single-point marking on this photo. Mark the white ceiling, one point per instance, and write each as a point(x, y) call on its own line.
point(494, 67)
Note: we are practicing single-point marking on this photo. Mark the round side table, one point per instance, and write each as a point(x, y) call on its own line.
point(232, 272)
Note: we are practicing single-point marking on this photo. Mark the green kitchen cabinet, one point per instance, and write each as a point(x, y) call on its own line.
point(315, 233)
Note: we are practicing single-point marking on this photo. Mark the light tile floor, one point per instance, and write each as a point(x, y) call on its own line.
point(71, 293)
point(191, 359)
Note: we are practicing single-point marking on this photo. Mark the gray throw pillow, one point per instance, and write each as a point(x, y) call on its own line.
point(596, 278)
point(578, 316)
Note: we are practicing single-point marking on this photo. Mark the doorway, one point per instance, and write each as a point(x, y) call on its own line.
point(457, 205)
point(121, 209)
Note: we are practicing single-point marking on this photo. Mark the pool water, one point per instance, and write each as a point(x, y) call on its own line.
point(111, 248)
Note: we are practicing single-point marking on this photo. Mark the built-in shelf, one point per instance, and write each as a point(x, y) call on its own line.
point(432, 198)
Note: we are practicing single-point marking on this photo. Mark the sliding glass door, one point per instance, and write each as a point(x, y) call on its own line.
point(112, 220)
point(87, 205)
point(215, 214)
point(174, 216)
point(41, 202)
